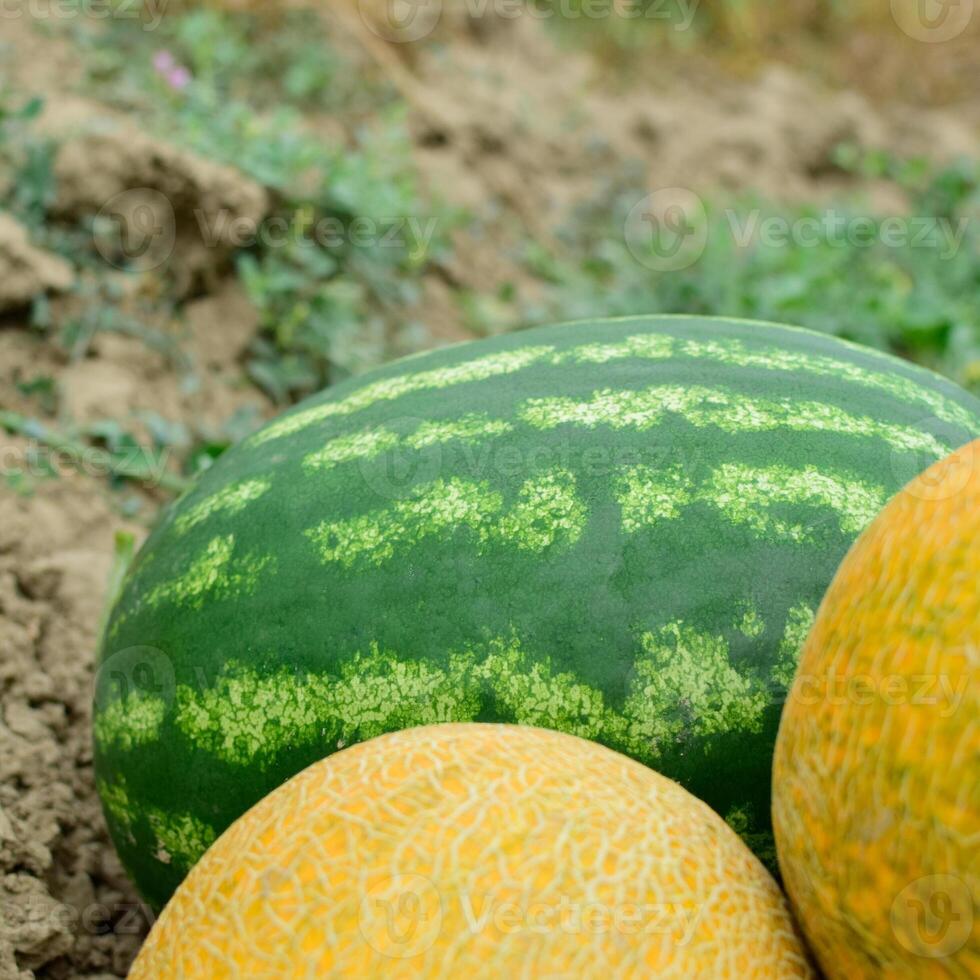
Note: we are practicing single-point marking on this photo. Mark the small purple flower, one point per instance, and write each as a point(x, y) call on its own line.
point(178, 78)
point(163, 62)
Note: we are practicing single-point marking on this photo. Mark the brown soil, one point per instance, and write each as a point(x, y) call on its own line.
point(67, 908)
point(506, 124)
point(26, 270)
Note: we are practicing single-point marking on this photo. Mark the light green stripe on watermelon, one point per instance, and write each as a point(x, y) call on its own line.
point(729, 351)
point(370, 443)
point(357, 445)
point(467, 428)
point(130, 721)
point(118, 621)
point(639, 410)
point(182, 837)
point(438, 508)
point(115, 799)
point(682, 683)
point(751, 623)
point(214, 573)
point(654, 347)
point(648, 495)
point(389, 389)
point(686, 684)
point(728, 411)
point(736, 353)
point(247, 715)
point(547, 512)
point(533, 692)
point(228, 500)
point(746, 495)
point(798, 624)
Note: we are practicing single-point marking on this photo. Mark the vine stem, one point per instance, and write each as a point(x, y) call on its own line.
point(77, 452)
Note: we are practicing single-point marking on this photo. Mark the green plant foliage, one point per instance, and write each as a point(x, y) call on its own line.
point(913, 295)
point(339, 260)
point(26, 175)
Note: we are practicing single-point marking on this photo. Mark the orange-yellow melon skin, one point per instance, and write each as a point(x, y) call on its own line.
point(876, 798)
point(466, 851)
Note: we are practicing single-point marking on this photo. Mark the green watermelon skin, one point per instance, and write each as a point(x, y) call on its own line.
point(618, 528)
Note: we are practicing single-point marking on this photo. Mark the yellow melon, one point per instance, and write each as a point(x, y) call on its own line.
point(876, 795)
point(466, 851)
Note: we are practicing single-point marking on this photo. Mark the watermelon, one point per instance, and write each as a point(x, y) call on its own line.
point(617, 529)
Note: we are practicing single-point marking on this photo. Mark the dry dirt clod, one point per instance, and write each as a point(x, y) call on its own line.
point(26, 270)
point(158, 205)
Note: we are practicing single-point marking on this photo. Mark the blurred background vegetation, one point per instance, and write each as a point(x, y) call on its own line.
point(335, 122)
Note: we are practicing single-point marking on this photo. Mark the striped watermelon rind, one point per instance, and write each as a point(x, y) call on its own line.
point(620, 529)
